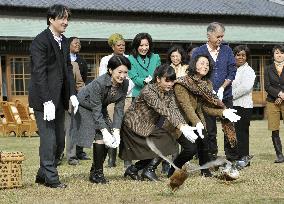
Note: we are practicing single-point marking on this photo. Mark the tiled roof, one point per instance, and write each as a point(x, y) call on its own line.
point(28, 27)
point(267, 8)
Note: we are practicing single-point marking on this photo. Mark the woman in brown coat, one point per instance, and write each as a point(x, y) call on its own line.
point(194, 95)
point(155, 100)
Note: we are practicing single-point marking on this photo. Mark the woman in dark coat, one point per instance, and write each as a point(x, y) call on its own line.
point(274, 86)
point(194, 95)
point(92, 121)
point(156, 100)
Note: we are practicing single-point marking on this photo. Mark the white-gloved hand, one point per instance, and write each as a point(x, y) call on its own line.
point(200, 127)
point(230, 114)
point(75, 103)
point(148, 79)
point(108, 139)
point(187, 131)
point(48, 111)
point(220, 93)
point(116, 135)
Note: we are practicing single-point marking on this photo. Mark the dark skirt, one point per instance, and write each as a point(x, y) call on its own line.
point(134, 146)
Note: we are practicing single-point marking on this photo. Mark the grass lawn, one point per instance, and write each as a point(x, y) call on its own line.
point(262, 182)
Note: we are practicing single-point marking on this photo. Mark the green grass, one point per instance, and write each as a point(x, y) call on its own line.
point(262, 182)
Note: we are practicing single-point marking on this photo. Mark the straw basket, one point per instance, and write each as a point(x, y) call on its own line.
point(11, 169)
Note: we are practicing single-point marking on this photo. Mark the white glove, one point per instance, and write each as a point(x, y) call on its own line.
point(148, 79)
point(220, 93)
point(187, 131)
point(200, 127)
point(116, 135)
point(48, 111)
point(108, 139)
point(75, 103)
point(230, 114)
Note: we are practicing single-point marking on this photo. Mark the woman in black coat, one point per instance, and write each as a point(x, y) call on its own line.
point(274, 86)
point(93, 122)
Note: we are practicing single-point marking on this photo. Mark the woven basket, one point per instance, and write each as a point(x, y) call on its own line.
point(11, 169)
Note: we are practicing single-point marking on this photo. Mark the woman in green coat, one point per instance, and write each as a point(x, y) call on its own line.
point(143, 62)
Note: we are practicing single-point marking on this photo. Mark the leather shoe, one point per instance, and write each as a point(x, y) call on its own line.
point(73, 162)
point(132, 172)
point(56, 185)
point(83, 157)
point(39, 180)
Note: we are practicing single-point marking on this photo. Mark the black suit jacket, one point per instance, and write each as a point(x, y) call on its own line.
point(273, 83)
point(51, 72)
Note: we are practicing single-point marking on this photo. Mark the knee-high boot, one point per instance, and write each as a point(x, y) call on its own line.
point(277, 146)
point(96, 172)
point(149, 171)
point(112, 157)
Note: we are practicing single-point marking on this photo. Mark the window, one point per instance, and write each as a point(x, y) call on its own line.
point(20, 75)
point(93, 61)
point(258, 62)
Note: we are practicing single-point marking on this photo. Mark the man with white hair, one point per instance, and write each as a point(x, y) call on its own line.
point(223, 74)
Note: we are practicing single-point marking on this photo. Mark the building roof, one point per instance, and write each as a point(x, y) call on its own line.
point(26, 28)
point(259, 8)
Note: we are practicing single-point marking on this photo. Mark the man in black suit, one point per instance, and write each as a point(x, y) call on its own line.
point(51, 87)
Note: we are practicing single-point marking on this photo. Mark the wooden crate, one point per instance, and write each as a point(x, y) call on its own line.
point(11, 169)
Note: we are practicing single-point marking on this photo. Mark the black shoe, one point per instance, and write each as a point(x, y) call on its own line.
point(39, 180)
point(165, 167)
point(132, 172)
point(149, 171)
point(171, 172)
point(73, 162)
point(150, 175)
point(56, 185)
point(83, 157)
point(97, 176)
point(206, 173)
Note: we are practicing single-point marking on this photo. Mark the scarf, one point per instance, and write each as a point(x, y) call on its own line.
point(279, 67)
point(200, 88)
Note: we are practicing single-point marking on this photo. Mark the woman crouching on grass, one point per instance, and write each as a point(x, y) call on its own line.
point(92, 121)
point(194, 94)
point(155, 100)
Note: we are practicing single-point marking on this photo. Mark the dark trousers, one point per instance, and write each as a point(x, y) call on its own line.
point(242, 130)
point(52, 143)
point(211, 126)
point(189, 149)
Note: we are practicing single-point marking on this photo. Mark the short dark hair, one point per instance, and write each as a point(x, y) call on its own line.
point(164, 70)
point(57, 11)
point(71, 39)
point(212, 27)
point(137, 41)
point(192, 66)
point(180, 50)
point(277, 47)
point(117, 60)
point(240, 48)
